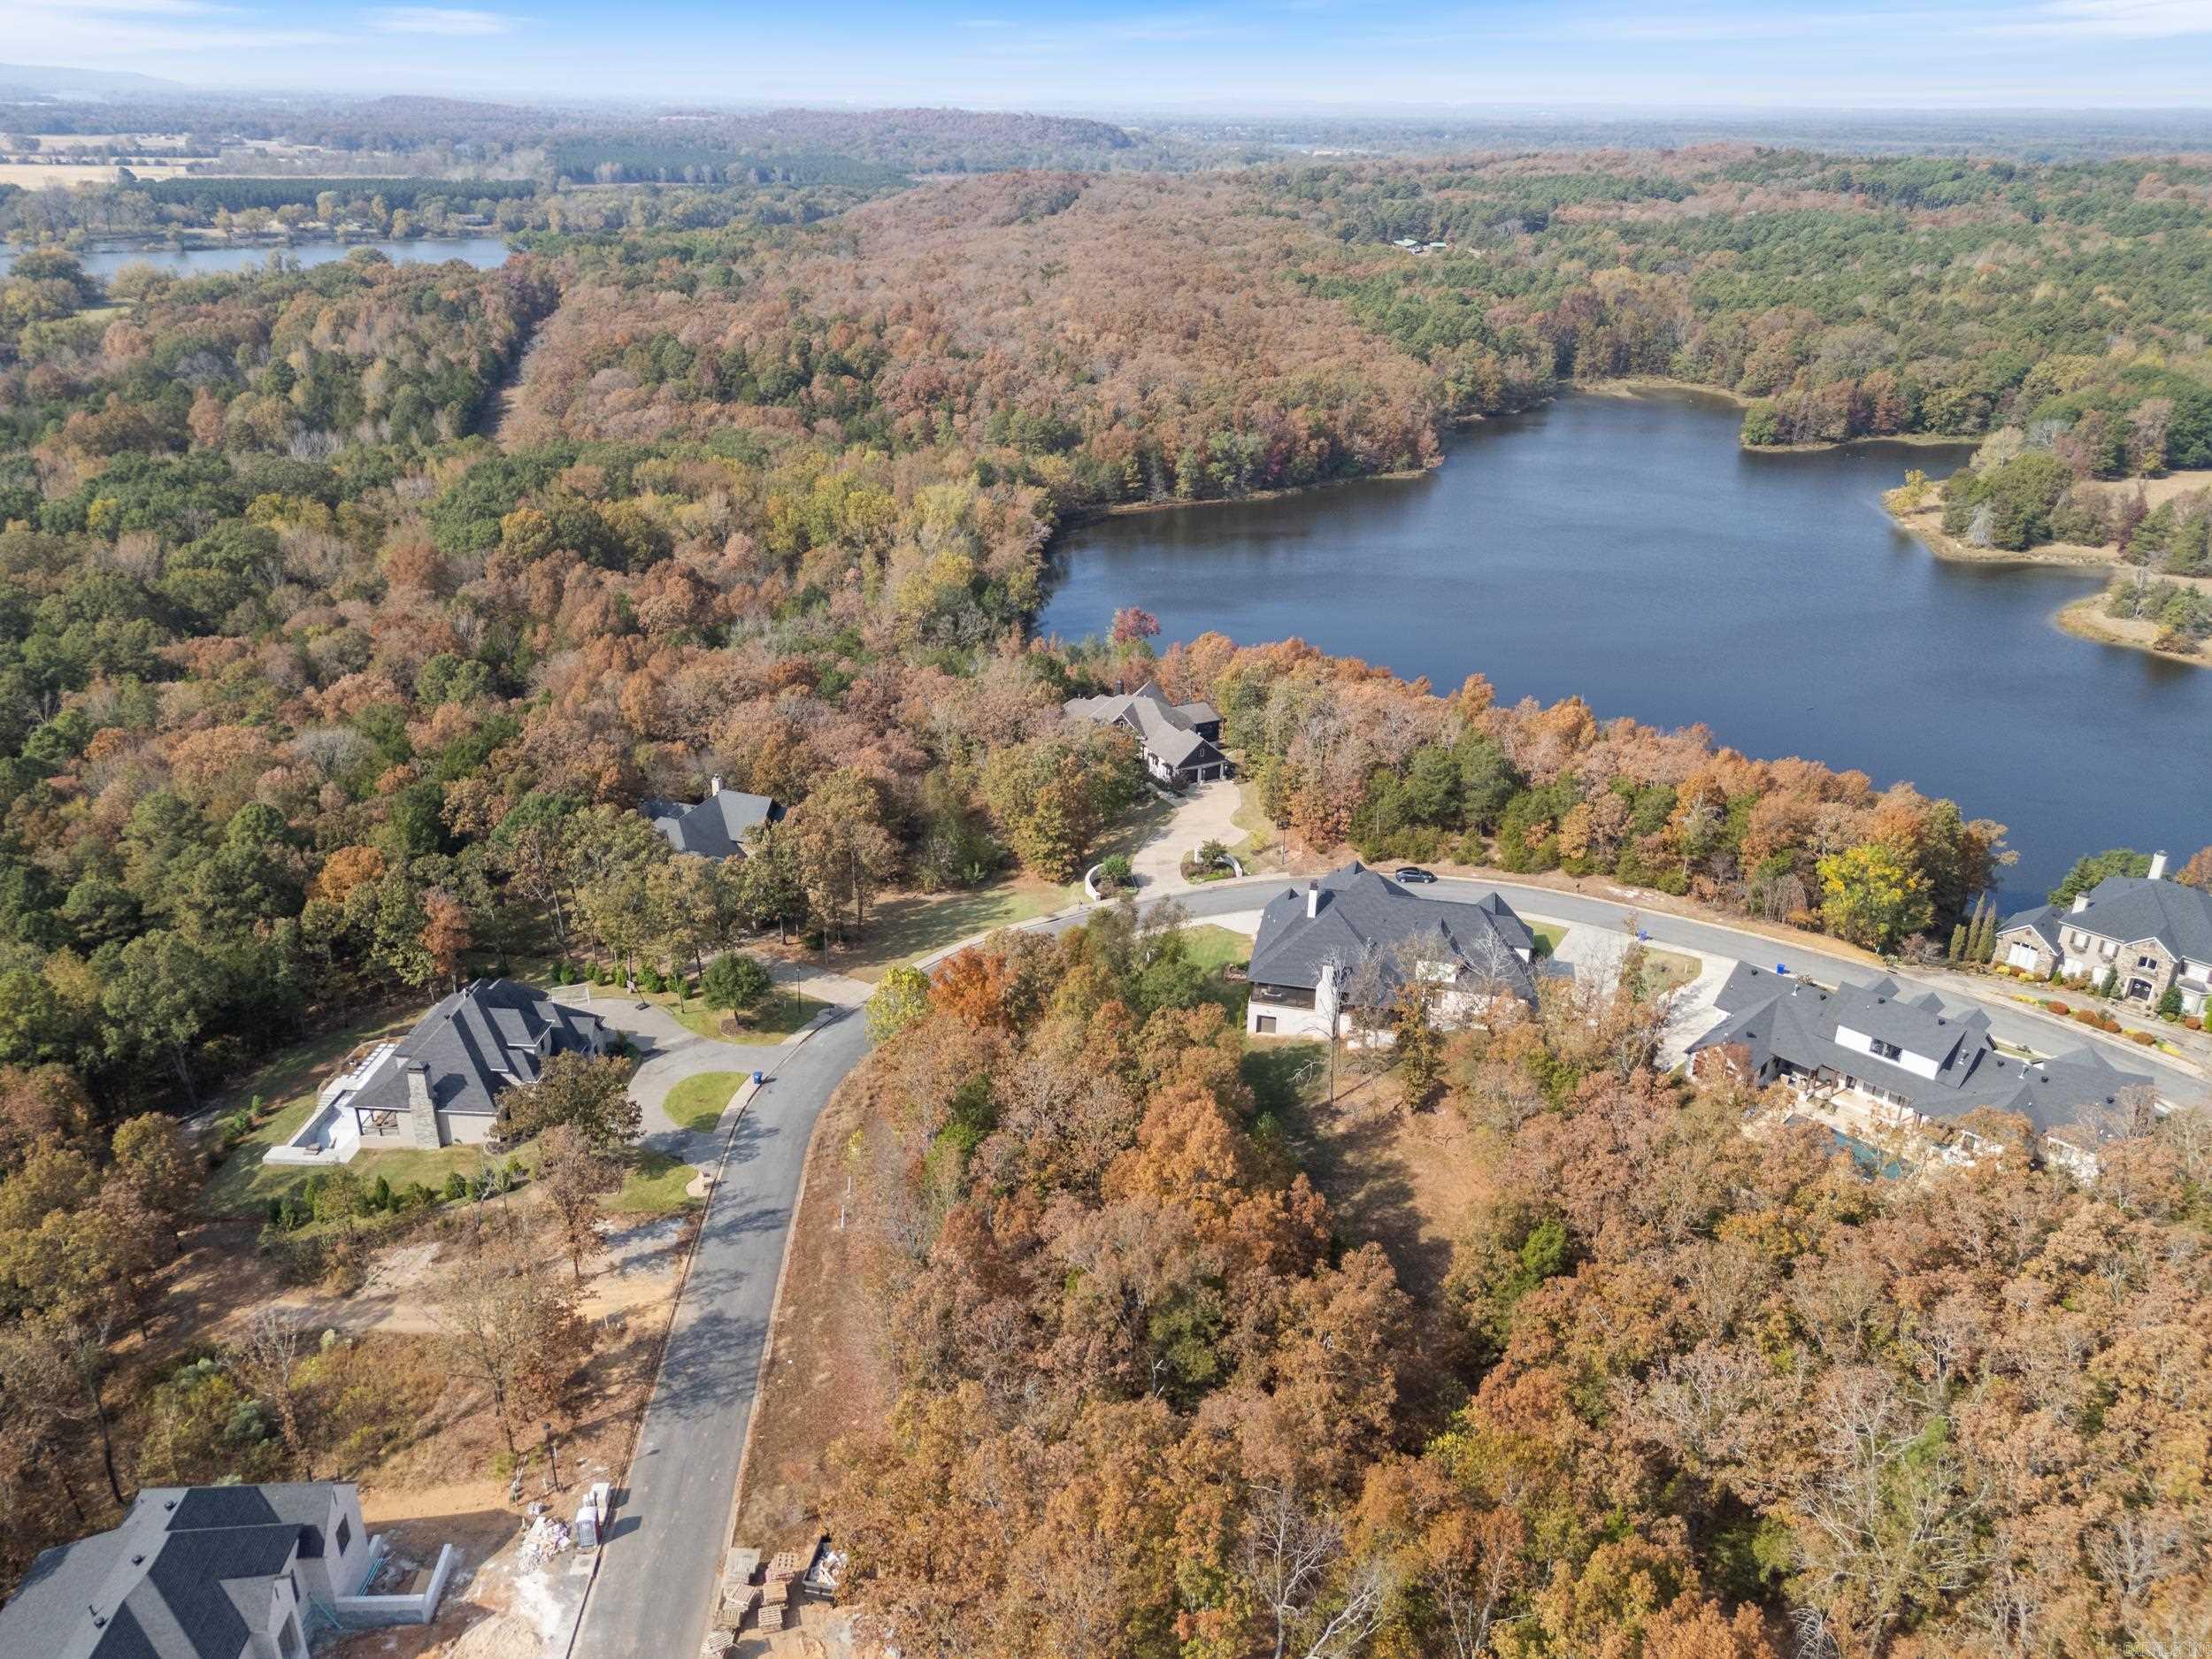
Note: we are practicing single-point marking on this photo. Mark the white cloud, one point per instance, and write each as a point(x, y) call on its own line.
point(437, 21)
point(2116, 20)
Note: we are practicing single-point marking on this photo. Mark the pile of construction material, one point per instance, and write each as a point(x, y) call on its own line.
point(739, 1595)
point(545, 1539)
point(781, 1589)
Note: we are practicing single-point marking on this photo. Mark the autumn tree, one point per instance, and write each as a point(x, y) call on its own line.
point(589, 1093)
point(1870, 897)
point(844, 854)
point(576, 1176)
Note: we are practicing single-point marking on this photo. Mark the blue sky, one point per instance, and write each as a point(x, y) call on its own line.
point(1236, 56)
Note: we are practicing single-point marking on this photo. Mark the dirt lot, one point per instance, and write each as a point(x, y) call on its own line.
point(1405, 1179)
point(827, 1373)
point(396, 1292)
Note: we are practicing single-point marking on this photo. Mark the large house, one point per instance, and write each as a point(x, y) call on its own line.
point(2152, 934)
point(1910, 1060)
point(712, 828)
point(1181, 740)
point(440, 1085)
point(1356, 933)
point(210, 1572)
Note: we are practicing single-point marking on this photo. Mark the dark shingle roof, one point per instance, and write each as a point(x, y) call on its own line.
point(2132, 909)
point(476, 1042)
point(1165, 728)
point(185, 1575)
point(1361, 913)
point(714, 827)
point(1792, 1019)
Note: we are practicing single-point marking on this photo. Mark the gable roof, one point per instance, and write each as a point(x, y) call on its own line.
point(1167, 730)
point(1359, 913)
point(1792, 1019)
point(477, 1041)
point(187, 1574)
point(2132, 909)
point(712, 828)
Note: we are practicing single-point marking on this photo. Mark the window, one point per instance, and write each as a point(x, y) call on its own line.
point(1264, 1025)
point(289, 1643)
point(344, 1535)
point(1887, 1050)
point(2146, 962)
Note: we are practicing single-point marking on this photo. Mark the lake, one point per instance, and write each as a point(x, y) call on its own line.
point(1627, 550)
point(103, 262)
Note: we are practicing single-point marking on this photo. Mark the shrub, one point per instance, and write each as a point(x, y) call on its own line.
point(2056, 1007)
point(2089, 1016)
point(1114, 872)
point(2143, 1037)
point(2192, 1023)
point(456, 1186)
point(650, 980)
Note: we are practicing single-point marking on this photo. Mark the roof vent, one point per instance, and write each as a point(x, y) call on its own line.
point(138, 1560)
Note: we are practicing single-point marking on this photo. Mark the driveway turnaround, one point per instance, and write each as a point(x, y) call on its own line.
point(662, 1560)
point(1208, 813)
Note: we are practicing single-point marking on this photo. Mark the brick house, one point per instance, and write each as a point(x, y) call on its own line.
point(2154, 935)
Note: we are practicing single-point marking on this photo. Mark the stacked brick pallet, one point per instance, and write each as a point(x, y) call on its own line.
point(782, 1590)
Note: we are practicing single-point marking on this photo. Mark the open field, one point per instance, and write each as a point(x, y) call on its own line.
point(45, 175)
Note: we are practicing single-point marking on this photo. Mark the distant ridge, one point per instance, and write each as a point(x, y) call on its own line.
point(44, 78)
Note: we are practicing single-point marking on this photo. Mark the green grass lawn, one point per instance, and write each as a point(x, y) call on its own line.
point(654, 1187)
point(1671, 967)
point(906, 928)
point(697, 1102)
point(242, 1184)
point(1260, 833)
point(1548, 935)
point(1214, 949)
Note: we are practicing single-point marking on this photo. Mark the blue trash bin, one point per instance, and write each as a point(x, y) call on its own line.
point(759, 1078)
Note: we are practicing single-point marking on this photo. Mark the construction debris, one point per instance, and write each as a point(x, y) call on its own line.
point(545, 1539)
point(719, 1643)
point(824, 1571)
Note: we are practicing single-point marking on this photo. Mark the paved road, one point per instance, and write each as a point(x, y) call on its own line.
point(2007, 1019)
point(663, 1555)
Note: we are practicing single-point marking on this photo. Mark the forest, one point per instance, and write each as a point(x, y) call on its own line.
point(347, 614)
point(1688, 1392)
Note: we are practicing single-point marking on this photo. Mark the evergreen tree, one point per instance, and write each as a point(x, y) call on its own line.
point(1958, 942)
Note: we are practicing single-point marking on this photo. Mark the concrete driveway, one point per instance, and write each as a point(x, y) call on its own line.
point(1208, 813)
point(669, 1054)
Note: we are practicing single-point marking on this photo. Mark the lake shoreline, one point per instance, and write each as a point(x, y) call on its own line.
point(1132, 509)
point(2083, 617)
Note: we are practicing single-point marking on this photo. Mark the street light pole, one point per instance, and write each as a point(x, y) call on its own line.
point(552, 1462)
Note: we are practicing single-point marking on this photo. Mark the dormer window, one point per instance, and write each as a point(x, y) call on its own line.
point(1887, 1050)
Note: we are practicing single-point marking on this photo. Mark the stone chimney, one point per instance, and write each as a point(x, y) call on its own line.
point(2081, 903)
point(1313, 899)
point(422, 1116)
point(2158, 865)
